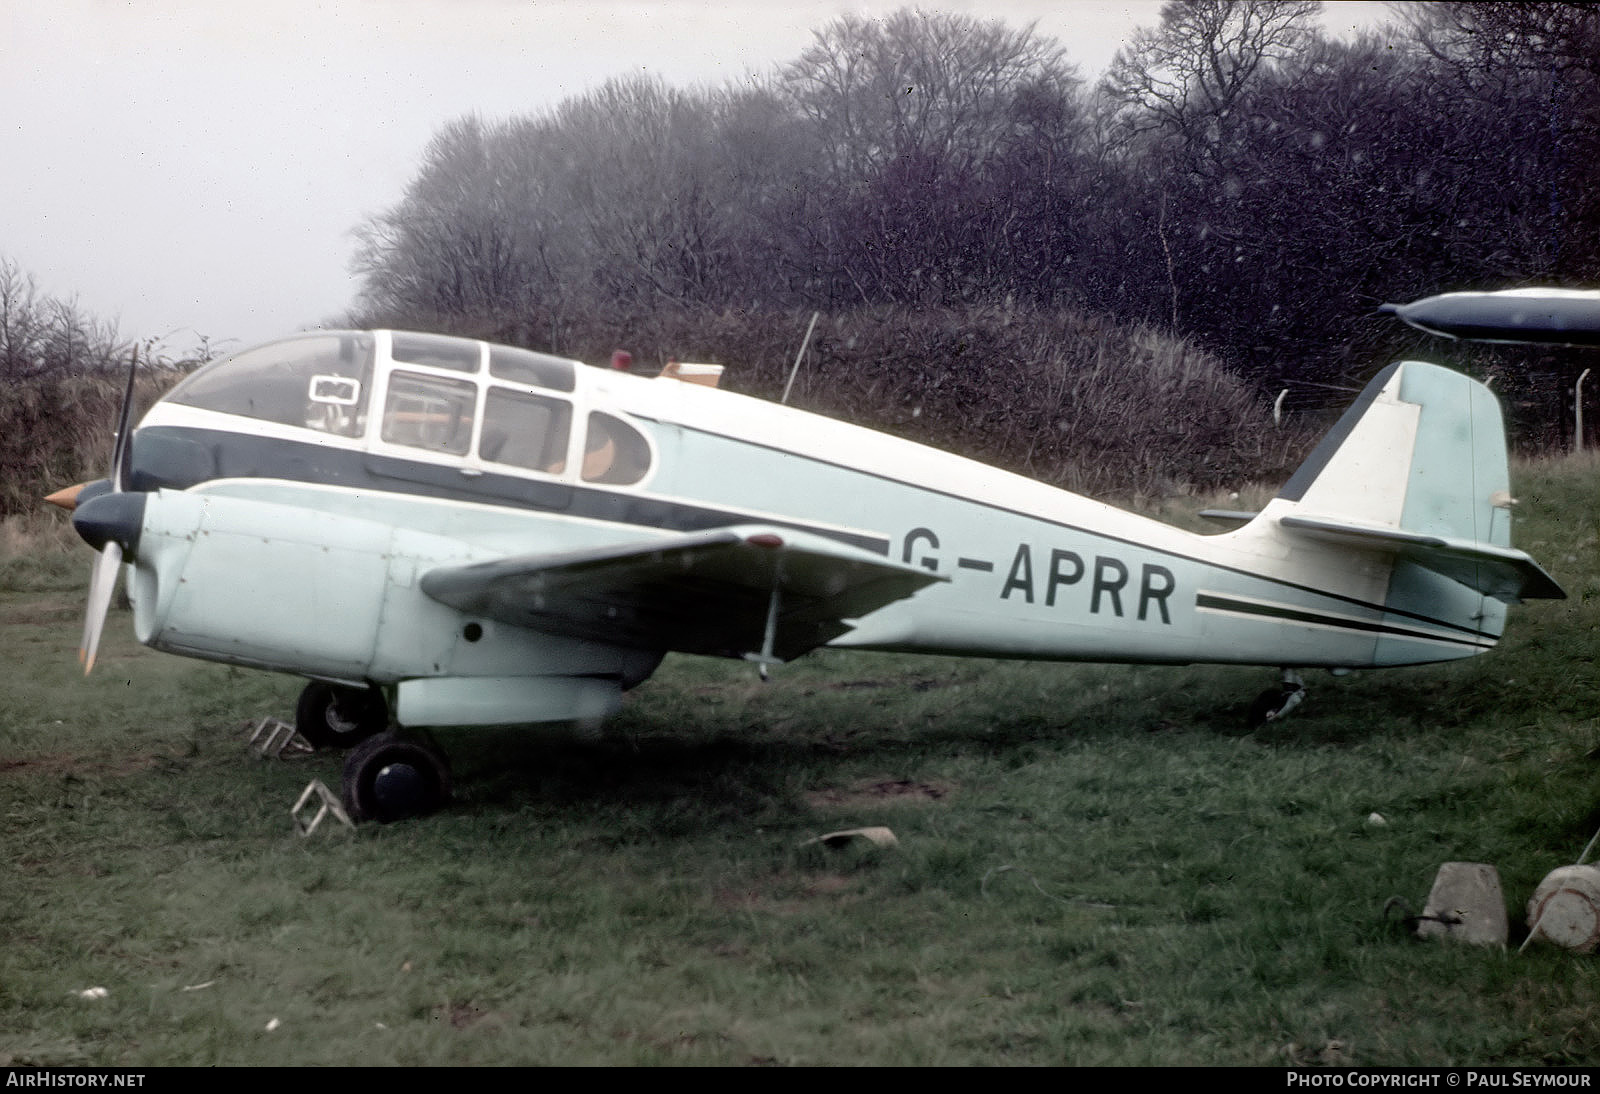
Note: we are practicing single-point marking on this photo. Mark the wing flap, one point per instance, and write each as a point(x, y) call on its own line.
point(1504, 573)
point(704, 592)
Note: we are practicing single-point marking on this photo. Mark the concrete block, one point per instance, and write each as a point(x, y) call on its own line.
point(1466, 905)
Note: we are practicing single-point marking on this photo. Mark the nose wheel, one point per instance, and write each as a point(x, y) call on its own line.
point(1275, 703)
point(390, 777)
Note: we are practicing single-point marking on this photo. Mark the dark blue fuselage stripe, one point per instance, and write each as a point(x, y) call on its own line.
point(1279, 612)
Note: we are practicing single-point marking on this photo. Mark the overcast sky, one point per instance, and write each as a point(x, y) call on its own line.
point(196, 166)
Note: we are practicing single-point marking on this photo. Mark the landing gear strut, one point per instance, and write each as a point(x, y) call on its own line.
point(390, 777)
point(1275, 703)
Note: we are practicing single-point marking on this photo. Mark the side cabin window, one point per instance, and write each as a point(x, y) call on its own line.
point(614, 452)
point(317, 382)
point(525, 430)
point(431, 412)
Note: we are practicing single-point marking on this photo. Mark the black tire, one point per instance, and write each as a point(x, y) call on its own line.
point(1269, 704)
point(1265, 706)
point(330, 716)
point(389, 778)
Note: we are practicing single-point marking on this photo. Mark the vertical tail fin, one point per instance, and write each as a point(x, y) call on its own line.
point(1422, 449)
point(1415, 474)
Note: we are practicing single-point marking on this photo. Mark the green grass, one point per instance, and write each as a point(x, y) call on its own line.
point(1097, 864)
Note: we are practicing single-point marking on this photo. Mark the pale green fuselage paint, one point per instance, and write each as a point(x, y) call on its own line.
point(322, 578)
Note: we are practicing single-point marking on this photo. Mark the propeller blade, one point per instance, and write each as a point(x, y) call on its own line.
point(103, 578)
point(102, 582)
point(119, 454)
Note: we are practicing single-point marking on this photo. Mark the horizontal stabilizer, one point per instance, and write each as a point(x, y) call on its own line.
point(704, 592)
point(1504, 573)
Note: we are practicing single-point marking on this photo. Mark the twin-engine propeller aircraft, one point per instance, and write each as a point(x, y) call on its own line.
point(443, 532)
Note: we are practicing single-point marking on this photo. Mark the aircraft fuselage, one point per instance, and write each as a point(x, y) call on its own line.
point(289, 528)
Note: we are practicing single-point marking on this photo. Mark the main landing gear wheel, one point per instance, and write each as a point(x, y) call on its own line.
point(330, 716)
point(389, 778)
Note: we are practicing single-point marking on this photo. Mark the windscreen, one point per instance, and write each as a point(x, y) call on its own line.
point(319, 382)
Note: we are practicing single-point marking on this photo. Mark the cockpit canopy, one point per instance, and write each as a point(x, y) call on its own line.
point(449, 396)
point(320, 381)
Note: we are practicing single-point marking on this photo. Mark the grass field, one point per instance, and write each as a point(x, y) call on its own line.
point(1097, 864)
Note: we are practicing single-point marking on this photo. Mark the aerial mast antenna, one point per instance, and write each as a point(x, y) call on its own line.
point(804, 342)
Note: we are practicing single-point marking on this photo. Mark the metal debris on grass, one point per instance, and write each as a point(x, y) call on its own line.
point(876, 836)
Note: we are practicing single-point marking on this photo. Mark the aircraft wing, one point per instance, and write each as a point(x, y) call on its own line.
point(1504, 573)
point(703, 592)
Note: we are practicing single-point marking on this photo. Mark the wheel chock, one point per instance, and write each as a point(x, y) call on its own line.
point(273, 737)
point(327, 804)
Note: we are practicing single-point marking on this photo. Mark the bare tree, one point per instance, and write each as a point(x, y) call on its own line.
point(42, 335)
point(1481, 41)
point(931, 138)
point(1529, 73)
point(630, 196)
point(458, 242)
point(1184, 78)
point(644, 181)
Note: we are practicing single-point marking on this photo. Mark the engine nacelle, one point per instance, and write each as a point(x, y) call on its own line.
point(314, 593)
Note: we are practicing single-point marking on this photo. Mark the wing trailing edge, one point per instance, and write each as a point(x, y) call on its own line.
point(704, 592)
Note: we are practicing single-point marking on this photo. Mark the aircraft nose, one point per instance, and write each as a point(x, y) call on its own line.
point(110, 518)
